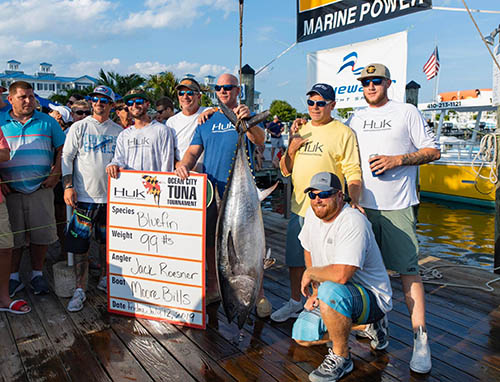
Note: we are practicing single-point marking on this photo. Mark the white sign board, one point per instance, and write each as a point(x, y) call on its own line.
point(341, 66)
point(496, 78)
point(156, 247)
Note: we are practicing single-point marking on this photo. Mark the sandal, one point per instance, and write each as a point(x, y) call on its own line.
point(16, 307)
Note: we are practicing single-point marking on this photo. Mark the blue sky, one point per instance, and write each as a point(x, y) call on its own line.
point(201, 37)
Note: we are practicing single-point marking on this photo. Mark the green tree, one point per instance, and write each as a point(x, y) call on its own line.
point(283, 110)
point(118, 83)
point(344, 113)
point(62, 98)
point(206, 101)
point(161, 85)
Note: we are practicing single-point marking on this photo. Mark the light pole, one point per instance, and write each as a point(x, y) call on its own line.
point(491, 41)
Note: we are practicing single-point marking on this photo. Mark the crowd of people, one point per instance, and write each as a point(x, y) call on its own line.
point(354, 189)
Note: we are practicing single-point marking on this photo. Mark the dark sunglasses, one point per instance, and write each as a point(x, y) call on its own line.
point(122, 108)
point(82, 112)
point(187, 92)
point(138, 101)
point(227, 88)
point(322, 194)
point(376, 81)
point(310, 102)
point(102, 99)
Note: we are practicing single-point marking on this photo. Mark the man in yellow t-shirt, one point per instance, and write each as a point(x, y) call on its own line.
point(323, 144)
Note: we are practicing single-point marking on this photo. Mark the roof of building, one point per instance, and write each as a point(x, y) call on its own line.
point(46, 77)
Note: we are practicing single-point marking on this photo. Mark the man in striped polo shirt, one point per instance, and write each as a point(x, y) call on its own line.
point(36, 141)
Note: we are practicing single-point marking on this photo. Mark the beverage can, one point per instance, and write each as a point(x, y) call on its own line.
point(369, 160)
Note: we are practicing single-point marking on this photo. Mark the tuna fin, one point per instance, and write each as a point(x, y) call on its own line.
point(258, 118)
point(265, 193)
point(231, 252)
point(228, 112)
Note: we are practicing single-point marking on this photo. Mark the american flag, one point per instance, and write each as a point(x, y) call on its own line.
point(431, 67)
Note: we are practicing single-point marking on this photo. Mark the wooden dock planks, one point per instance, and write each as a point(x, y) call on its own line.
point(50, 344)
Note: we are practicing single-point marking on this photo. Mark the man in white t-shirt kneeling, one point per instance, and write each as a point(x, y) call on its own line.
point(345, 271)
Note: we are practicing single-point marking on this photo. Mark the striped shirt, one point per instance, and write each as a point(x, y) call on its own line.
point(32, 148)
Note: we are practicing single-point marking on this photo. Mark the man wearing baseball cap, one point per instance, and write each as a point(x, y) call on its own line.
point(393, 140)
point(185, 122)
point(147, 145)
point(323, 144)
point(345, 280)
point(89, 147)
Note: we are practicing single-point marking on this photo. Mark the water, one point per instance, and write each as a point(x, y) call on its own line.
point(456, 233)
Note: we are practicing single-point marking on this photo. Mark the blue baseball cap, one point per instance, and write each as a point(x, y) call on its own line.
point(105, 91)
point(324, 90)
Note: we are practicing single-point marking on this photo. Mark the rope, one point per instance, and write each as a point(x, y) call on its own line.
point(480, 34)
point(463, 10)
point(241, 39)
point(274, 59)
point(428, 276)
point(486, 155)
point(33, 229)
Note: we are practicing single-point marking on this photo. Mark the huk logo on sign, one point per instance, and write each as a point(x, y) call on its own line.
point(350, 61)
point(152, 187)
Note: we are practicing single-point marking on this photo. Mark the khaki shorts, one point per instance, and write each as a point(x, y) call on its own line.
point(33, 212)
point(395, 232)
point(6, 237)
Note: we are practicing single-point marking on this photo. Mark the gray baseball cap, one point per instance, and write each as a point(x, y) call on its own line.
point(375, 70)
point(324, 181)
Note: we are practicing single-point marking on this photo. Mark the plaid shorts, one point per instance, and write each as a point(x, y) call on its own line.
point(351, 300)
point(86, 217)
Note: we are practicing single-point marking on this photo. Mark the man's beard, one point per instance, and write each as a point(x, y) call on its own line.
point(138, 115)
point(377, 100)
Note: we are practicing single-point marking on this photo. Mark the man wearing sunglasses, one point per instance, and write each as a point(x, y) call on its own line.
point(79, 110)
point(345, 281)
point(323, 144)
point(89, 147)
point(393, 140)
point(185, 122)
point(147, 145)
point(164, 109)
point(217, 139)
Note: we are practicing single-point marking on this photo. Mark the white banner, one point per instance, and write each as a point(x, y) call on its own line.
point(496, 79)
point(341, 66)
point(156, 247)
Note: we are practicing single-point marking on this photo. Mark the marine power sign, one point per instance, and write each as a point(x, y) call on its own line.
point(317, 18)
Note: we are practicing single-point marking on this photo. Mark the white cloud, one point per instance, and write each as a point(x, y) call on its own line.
point(92, 67)
point(57, 16)
point(174, 13)
point(180, 69)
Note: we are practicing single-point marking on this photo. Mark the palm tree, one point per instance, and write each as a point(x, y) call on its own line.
point(161, 85)
point(120, 84)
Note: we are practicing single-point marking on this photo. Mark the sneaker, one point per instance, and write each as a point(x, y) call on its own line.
point(102, 285)
point(290, 309)
point(14, 287)
point(76, 302)
point(332, 369)
point(39, 285)
point(421, 357)
point(263, 308)
point(378, 332)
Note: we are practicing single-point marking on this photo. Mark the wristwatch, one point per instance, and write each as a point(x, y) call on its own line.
point(68, 186)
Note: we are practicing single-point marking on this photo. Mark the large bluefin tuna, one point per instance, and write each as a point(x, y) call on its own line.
point(240, 241)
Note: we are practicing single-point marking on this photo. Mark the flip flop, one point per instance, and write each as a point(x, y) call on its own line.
point(16, 306)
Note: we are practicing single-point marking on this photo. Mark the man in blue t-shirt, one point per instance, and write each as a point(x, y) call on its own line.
point(275, 129)
point(35, 140)
point(217, 138)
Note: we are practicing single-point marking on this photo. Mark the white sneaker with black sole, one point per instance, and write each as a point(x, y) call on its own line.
point(378, 332)
point(76, 302)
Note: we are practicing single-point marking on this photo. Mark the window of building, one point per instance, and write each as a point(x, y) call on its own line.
point(39, 86)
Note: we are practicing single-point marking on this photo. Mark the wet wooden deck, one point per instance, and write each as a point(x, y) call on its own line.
point(51, 344)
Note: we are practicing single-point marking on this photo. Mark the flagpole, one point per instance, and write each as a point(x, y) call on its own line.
point(436, 80)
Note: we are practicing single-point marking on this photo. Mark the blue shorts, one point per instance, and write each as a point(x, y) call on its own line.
point(351, 300)
point(86, 217)
point(294, 253)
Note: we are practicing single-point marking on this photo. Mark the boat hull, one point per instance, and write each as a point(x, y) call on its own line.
point(457, 181)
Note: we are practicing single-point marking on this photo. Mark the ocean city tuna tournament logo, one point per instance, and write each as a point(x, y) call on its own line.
point(350, 61)
point(152, 187)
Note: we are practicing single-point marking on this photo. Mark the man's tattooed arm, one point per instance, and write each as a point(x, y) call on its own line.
point(67, 180)
point(421, 156)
